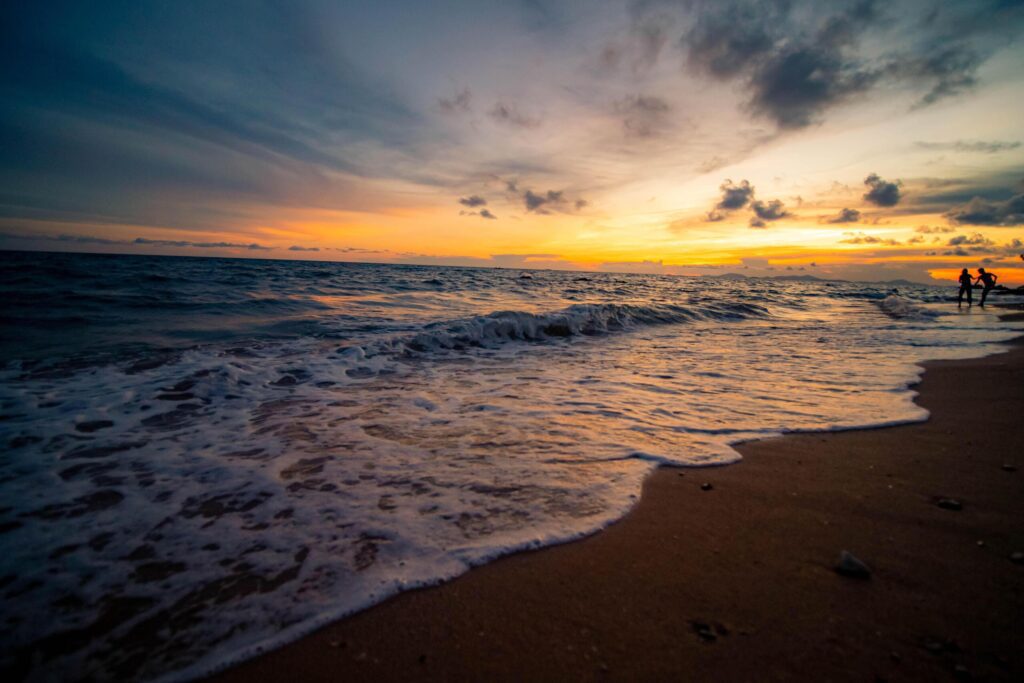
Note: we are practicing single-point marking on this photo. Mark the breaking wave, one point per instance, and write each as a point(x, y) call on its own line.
point(896, 306)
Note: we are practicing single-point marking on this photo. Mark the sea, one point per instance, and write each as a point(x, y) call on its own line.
point(202, 458)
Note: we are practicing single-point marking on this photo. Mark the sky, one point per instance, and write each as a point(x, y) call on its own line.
point(863, 140)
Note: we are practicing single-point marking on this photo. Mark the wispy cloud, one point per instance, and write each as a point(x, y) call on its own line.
point(969, 146)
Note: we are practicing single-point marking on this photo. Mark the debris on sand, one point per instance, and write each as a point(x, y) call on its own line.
point(850, 566)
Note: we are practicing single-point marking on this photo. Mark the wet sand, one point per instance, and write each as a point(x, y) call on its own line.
point(737, 582)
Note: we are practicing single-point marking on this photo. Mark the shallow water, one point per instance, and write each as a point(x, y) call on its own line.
point(206, 456)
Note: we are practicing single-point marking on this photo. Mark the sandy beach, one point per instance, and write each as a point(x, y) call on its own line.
point(729, 573)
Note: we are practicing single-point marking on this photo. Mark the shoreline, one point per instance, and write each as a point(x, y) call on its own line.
point(689, 584)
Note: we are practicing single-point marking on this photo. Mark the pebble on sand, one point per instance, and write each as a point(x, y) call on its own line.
point(1009, 468)
point(706, 486)
point(850, 566)
point(1017, 557)
point(949, 504)
point(709, 632)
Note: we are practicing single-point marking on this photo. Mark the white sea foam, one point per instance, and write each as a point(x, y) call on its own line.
point(898, 306)
point(239, 496)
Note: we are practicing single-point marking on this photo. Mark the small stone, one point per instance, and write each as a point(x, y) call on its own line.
point(706, 486)
point(335, 644)
point(895, 656)
point(934, 646)
point(1007, 467)
point(704, 631)
point(981, 544)
point(949, 504)
point(850, 566)
point(961, 673)
point(423, 659)
point(1017, 557)
point(681, 474)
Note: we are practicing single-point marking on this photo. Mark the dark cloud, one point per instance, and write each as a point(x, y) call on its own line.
point(979, 211)
point(797, 60)
point(861, 238)
point(791, 76)
point(200, 245)
point(882, 192)
point(977, 241)
point(724, 41)
point(473, 201)
point(796, 85)
point(458, 103)
point(296, 247)
point(509, 115)
point(979, 146)
point(928, 230)
point(947, 70)
point(545, 202)
point(844, 216)
point(86, 239)
point(138, 241)
point(643, 115)
point(535, 202)
point(769, 211)
point(483, 213)
point(734, 196)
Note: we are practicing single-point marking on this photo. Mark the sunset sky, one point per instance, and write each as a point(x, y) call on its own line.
point(860, 140)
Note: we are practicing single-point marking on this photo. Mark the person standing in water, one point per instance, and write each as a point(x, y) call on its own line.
point(989, 281)
point(966, 286)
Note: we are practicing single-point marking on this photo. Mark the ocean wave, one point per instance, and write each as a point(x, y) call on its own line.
point(573, 321)
point(896, 306)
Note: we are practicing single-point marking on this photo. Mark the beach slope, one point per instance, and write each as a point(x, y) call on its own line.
point(736, 581)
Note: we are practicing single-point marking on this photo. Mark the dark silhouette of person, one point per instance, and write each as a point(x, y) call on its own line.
point(989, 281)
point(966, 286)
